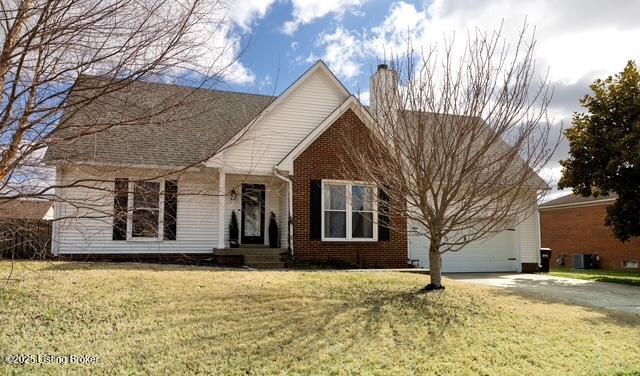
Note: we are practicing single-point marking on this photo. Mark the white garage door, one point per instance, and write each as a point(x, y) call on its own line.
point(497, 254)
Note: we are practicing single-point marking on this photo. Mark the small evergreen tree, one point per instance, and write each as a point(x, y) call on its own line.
point(274, 238)
point(233, 229)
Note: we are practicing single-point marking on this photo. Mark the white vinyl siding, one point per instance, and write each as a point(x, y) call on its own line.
point(528, 232)
point(88, 229)
point(277, 133)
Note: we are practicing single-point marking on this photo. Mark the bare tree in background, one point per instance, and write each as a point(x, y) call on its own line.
point(460, 137)
point(47, 45)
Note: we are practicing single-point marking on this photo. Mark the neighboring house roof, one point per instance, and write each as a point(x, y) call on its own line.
point(25, 209)
point(194, 124)
point(577, 200)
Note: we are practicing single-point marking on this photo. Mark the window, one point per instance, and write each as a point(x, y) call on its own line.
point(349, 211)
point(630, 264)
point(146, 210)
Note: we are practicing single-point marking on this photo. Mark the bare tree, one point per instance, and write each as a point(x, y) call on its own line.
point(459, 137)
point(75, 74)
point(48, 45)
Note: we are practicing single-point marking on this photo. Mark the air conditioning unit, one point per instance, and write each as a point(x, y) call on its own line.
point(585, 261)
point(578, 261)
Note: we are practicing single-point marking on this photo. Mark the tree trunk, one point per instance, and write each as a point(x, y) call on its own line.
point(435, 269)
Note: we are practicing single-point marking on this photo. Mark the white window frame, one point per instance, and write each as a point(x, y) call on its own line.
point(130, 209)
point(349, 211)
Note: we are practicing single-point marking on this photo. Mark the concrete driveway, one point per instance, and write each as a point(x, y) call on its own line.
point(586, 293)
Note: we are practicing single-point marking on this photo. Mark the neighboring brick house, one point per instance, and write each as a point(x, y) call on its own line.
point(572, 225)
point(252, 155)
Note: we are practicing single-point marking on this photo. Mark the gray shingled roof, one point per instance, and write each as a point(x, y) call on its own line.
point(576, 199)
point(188, 125)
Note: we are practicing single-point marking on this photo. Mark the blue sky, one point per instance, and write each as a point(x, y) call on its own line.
point(577, 40)
point(270, 53)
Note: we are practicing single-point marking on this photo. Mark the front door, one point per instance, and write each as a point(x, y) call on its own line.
point(252, 214)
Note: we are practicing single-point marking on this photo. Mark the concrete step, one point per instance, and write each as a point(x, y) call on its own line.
point(248, 251)
point(265, 265)
point(261, 258)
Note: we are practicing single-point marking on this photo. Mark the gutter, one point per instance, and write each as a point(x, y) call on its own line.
point(578, 204)
point(289, 208)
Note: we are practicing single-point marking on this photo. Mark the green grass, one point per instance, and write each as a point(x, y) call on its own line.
point(174, 320)
point(625, 278)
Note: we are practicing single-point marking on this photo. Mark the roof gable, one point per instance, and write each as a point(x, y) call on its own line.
point(261, 144)
point(351, 103)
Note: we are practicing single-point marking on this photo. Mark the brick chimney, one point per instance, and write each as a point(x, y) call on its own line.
point(383, 93)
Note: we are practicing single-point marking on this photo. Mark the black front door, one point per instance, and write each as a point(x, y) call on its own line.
point(252, 214)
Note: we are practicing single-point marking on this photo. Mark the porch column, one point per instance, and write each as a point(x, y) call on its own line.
point(222, 192)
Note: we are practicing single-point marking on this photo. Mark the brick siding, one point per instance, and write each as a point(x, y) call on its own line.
point(579, 230)
point(321, 160)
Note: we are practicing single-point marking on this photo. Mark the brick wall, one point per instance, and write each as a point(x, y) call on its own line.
point(321, 160)
point(582, 230)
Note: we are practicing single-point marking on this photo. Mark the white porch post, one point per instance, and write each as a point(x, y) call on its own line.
point(222, 191)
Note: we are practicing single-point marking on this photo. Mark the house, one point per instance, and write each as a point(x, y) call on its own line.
point(573, 225)
point(249, 154)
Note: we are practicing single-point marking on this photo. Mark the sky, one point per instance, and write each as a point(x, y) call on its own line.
point(577, 41)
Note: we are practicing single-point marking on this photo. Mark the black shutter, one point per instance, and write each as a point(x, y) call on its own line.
point(315, 210)
point(383, 215)
point(120, 206)
point(170, 209)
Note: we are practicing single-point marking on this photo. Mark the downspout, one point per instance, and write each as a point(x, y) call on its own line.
point(289, 209)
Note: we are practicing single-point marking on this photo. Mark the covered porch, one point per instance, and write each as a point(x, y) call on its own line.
point(255, 199)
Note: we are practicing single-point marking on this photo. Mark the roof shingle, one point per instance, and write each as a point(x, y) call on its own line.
point(152, 124)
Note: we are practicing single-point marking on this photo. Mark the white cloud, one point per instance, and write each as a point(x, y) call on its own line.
point(364, 97)
point(391, 35)
point(577, 40)
point(574, 37)
point(342, 52)
point(217, 51)
point(244, 12)
point(307, 11)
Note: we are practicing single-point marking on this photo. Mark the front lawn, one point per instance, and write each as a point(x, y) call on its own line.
point(174, 320)
point(625, 278)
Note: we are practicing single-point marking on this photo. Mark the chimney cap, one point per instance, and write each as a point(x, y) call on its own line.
point(382, 66)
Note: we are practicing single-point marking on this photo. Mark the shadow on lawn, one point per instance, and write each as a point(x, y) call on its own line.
point(264, 325)
point(132, 265)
